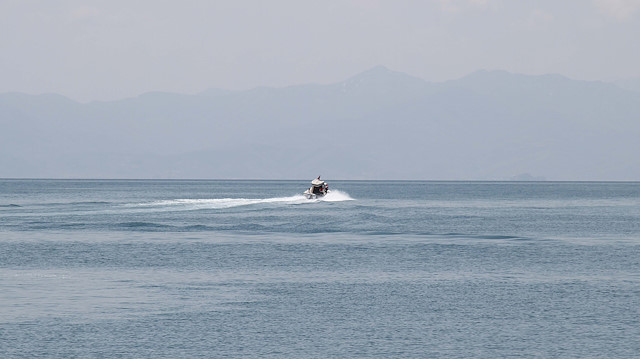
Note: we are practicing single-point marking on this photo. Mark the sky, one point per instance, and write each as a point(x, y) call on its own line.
point(106, 50)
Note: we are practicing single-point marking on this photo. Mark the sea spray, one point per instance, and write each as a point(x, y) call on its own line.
point(336, 196)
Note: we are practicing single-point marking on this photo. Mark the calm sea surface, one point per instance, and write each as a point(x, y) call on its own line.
point(249, 269)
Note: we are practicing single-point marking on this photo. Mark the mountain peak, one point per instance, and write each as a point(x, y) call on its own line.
point(382, 79)
point(379, 69)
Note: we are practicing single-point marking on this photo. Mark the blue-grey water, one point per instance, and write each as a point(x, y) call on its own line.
point(250, 269)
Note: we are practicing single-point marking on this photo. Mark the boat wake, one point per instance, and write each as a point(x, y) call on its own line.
point(223, 203)
point(335, 196)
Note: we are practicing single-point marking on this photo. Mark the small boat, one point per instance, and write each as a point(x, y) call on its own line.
point(319, 188)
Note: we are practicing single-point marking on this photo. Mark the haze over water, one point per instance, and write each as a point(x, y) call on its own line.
point(481, 90)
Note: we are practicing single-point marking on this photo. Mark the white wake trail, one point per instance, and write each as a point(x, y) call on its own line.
point(336, 196)
point(223, 203)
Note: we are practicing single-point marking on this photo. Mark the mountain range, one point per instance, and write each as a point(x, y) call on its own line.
point(380, 124)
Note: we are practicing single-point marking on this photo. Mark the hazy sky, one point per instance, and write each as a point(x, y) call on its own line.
point(102, 50)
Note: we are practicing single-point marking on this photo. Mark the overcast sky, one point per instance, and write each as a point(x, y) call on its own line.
point(102, 50)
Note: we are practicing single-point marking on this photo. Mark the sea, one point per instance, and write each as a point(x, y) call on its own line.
point(376, 269)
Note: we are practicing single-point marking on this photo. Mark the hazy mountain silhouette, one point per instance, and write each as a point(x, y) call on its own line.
point(379, 124)
point(632, 84)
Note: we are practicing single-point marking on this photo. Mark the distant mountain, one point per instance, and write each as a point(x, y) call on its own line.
point(379, 124)
point(632, 84)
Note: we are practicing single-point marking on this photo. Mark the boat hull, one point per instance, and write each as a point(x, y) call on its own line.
point(311, 195)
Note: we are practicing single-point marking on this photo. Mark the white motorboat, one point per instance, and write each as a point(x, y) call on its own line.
point(319, 188)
